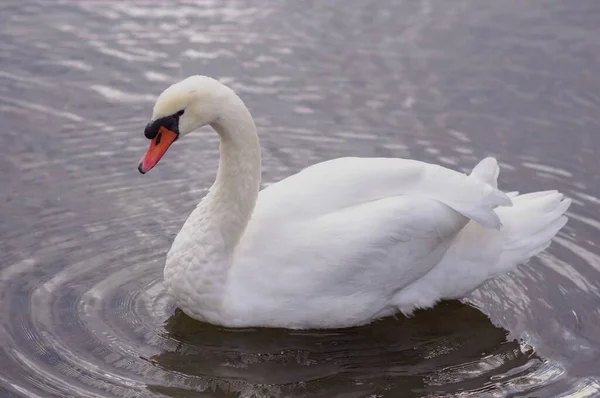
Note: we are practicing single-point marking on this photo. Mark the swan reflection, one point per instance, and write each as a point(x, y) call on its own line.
point(450, 348)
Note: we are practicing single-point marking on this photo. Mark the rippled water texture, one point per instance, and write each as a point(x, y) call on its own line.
point(83, 236)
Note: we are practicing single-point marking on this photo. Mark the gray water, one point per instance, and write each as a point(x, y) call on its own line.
point(83, 236)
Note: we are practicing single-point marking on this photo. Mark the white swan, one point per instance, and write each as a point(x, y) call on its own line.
point(341, 243)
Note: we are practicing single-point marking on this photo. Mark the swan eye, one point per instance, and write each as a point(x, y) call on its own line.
point(180, 112)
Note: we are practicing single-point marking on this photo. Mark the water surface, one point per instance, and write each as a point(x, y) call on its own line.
point(83, 236)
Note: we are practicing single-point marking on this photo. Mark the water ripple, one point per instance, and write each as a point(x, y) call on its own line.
point(84, 237)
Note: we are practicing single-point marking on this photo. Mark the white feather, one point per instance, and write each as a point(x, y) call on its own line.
point(343, 242)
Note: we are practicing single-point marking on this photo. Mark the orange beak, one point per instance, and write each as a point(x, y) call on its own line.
point(156, 150)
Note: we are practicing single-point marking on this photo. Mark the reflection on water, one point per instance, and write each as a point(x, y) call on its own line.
point(83, 236)
point(401, 357)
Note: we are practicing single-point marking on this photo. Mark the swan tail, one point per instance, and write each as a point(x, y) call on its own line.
point(478, 254)
point(530, 225)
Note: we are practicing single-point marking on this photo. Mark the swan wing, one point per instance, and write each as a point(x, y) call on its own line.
point(336, 184)
point(343, 266)
point(352, 254)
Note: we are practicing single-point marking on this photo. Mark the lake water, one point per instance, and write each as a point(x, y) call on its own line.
point(83, 236)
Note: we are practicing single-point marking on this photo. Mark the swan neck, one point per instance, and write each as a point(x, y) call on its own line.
point(232, 197)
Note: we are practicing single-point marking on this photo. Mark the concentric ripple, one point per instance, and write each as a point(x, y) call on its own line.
point(83, 236)
point(85, 334)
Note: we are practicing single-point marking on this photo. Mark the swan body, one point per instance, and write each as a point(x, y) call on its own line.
point(341, 243)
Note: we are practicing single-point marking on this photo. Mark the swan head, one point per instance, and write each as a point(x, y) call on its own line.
point(180, 109)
